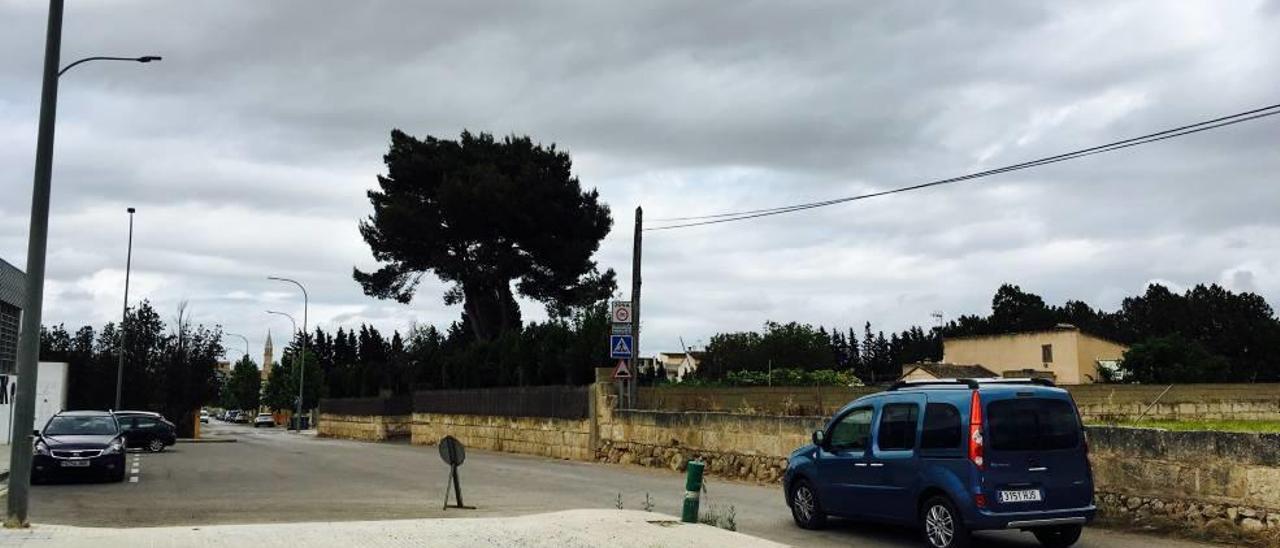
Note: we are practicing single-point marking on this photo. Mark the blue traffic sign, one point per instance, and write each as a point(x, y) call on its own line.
point(620, 346)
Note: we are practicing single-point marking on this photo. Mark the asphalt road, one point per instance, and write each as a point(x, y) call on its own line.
point(271, 475)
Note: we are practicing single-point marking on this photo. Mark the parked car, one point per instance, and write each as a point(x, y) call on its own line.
point(204, 416)
point(950, 457)
point(231, 416)
point(79, 443)
point(264, 419)
point(147, 430)
point(243, 417)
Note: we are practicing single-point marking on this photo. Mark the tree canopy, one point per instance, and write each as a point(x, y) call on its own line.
point(170, 369)
point(244, 388)
point(480, 214)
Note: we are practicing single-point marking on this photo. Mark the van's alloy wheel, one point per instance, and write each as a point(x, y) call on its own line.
point(939, 526)
point(805, 509)
point(942, 527)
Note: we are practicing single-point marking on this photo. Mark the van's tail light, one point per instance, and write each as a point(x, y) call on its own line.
point(976, 453)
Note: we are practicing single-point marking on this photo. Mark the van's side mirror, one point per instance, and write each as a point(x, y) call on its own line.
point(819, 438)
point(35, 433)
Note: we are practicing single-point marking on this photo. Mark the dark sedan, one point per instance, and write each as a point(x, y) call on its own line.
point(147, 430)
point(79, 443)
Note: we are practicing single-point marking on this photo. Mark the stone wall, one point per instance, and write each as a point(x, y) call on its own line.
point(1103, 402)
point(747, 447)
point(362, 427)
point(1202, 481)
point(545, 437)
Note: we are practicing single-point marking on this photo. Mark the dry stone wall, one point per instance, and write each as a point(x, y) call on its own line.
point(362, 427)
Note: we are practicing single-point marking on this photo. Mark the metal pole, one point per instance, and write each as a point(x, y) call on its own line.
point(633, 391)
point(302, 362)
point(692, 491)
point(244, 338)
point(124, 314)
point(38, 239)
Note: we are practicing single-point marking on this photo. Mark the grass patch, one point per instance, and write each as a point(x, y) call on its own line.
point(1211, 425)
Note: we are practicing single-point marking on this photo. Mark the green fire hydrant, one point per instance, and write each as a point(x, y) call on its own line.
point(692, 488)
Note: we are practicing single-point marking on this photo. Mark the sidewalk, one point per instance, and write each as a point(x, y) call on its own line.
point(585, 528)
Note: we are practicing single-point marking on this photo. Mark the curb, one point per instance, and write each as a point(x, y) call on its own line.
point(207, 440)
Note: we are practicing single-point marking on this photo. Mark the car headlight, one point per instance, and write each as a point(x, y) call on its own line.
point(40, 448)
point(114, 447)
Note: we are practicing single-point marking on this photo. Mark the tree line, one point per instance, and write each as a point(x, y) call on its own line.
point(169, 367)
point(1206, 334)
point(364, 362)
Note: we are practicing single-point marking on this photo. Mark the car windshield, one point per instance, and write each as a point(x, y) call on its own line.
point(81, 426)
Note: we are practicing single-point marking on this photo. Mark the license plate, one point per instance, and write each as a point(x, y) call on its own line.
point(75, 464)
point(1029, 495)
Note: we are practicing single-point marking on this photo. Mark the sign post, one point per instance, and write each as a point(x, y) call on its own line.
point(621, 347)
point(453, 454)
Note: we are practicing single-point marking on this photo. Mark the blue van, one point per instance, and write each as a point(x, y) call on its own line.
point(950, 457)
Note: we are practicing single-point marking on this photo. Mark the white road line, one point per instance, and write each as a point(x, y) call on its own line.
point(133, 479)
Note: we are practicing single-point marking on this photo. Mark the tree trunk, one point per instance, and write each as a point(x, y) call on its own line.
point(491, 308)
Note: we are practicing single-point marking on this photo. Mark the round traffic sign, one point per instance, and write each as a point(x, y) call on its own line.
point(451, 451)
point(621, 312)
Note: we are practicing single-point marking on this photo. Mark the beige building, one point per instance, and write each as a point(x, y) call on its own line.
point(680, 364)
point(1070, 355)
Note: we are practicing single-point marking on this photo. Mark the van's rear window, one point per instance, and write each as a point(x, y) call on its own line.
point(1032, 424)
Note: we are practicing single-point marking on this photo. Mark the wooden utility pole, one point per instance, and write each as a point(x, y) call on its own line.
point(633, 392)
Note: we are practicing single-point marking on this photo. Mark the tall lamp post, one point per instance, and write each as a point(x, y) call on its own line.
point(243, 338)
point(302, 362)
point(124, 314)
point(37, 243)
point(295, 329)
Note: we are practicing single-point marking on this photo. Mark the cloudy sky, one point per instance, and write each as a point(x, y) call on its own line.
point(248, 150)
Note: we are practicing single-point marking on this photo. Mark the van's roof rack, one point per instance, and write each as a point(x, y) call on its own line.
point(972, 384)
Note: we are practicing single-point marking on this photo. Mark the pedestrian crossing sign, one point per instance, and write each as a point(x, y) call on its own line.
point(622, 371)
point(620, 346)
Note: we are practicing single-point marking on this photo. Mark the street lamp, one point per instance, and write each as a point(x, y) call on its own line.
point(124, 314)
point(37, 244)
point(143, 59)
point(291, 320)
point(302, 362)
point(243, 338)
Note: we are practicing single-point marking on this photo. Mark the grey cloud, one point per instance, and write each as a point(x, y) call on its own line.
point(249, 148)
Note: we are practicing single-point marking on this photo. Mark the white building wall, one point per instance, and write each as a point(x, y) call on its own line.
point(51, 396)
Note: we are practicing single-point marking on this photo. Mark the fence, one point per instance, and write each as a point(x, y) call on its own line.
point(364, 407)
point(559, 402)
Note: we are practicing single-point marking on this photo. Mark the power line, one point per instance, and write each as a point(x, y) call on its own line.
point(1109, 147)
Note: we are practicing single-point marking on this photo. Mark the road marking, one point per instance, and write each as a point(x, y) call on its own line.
point(133, 479)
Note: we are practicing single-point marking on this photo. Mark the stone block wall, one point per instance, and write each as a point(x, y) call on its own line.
point(750, 447)
point(545, 437)
point(1198, 480)
point(362, 427)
